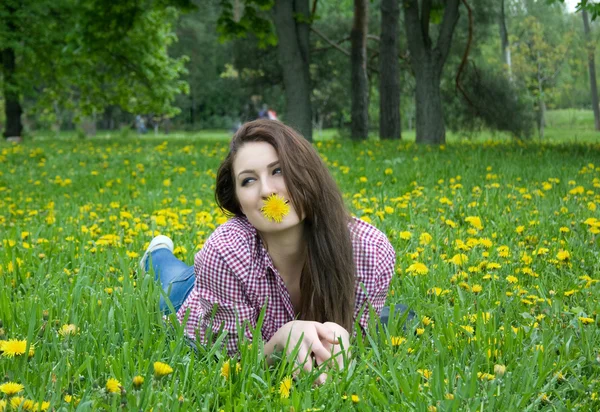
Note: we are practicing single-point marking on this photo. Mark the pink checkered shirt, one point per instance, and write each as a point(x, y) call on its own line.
point(235, 273)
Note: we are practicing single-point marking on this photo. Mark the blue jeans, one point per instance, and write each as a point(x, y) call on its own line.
point(176, 278)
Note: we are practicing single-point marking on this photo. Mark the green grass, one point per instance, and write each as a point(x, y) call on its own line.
point(512, 300)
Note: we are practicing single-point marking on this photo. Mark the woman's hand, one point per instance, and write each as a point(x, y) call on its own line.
point(311, 338)
point(340, 349)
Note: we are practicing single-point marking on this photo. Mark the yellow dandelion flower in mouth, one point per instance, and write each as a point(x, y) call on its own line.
point(13, 347)
point(275, 208)
point(161, 369)
point(285, 387)
point(11, 388)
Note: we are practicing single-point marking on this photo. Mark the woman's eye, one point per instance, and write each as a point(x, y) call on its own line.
point(277, 170)
point(246, 181)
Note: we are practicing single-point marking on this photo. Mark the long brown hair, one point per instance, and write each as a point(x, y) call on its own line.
point(327, 283)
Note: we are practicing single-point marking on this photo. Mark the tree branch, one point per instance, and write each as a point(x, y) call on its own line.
point(447, 29)
point(425, 15)
point(465, 55)
point(330, 42)
point(336, 46)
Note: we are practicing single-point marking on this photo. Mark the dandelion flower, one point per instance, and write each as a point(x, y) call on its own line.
point(18, 401)
point(275, 208)
point(11, 388)
point(161, 369)
point(475, 221)
point(13, 347)
point(406, 235)
point(418, 269)
point(397, 340)
point(285, 387)
point(2, 405)
point(563, 255)
point(67, 330)
point(459, 259)
point(500, 370)
point(355, 398)
point(113, 385)
point(586, 321)
point(138, 381)
point(225, 369)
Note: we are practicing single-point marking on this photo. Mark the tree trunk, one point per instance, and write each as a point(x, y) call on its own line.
point(430, 123)
point(427, 64)
point(291, 23)
point(591, 69)
point(542, 116)
point(504, 40)
point(541, 99)
point(389, 83)
point(358, 62)
point(12, 106)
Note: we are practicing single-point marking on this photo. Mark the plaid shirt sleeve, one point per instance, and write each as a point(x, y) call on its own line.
point(219, 290)
point(372, 291)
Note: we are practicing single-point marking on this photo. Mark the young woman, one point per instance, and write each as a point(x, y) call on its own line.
point(315, 268)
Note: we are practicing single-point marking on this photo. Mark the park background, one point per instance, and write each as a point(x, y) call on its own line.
point(494, 221)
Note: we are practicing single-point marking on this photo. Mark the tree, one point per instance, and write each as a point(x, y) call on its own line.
point(292, 18)
point(591, 68)
point(427, 62)
point(358, 64)
point(504, 38)
point(389, 86)
point(88, 55)
point(538, 59)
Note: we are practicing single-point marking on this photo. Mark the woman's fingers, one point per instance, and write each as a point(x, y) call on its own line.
point(326, 333)
point(304, 359)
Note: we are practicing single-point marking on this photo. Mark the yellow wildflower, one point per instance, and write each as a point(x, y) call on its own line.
point(586, 321)
point(285, 387)
point(67, 329)
point(355, 398)
point(138, 381)
point(275, 208)
point(225, 370)
point(475, 222)
point(13, 347)
point(425, 238)
point(500, 370)
point(397, 340)
point(459, 259)
point(418, 269)
point(563, 255)
point(161, 369)
point(406, 235)
point(11, 388)
point(113, 385)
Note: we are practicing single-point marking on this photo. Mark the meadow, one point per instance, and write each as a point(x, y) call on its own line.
point(498, 253)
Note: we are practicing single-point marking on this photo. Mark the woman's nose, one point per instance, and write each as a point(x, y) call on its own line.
point(267, 188)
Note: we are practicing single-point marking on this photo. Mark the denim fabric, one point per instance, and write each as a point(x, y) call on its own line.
point(176, 278)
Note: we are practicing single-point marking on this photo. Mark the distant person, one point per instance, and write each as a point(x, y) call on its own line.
point(264, 112)
point(140, 124)
point(272, 114)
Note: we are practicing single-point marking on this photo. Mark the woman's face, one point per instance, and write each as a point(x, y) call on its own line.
point(257, 174)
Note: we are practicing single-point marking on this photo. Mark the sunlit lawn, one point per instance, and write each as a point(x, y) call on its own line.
point(497, 247)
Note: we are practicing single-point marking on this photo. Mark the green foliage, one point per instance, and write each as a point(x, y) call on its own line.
point(251, 20)
point(492, 101)
point(86, 55)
